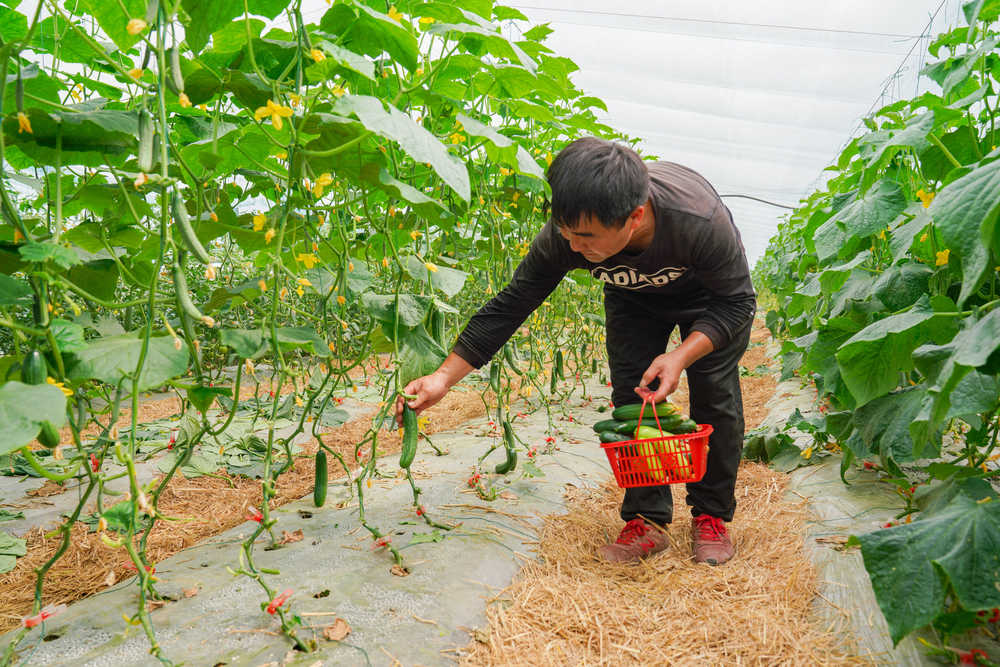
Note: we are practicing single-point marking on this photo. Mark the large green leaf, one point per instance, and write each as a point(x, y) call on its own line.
point(411, 309)
point(13, 290)
point(23, 408)
point(510, 152)
point(913, 566)
point(364, 30)
point(449, 281)
point(871, 360)
point(495, 43)
point(113, 17)
point(111, 359)
point(208, 17)
point(965, 213)
point(884, 423)
point(419, 353)
point(874, 211)
point(873, 147)
point(420, 144)
point(86, 135)
point(902, 284)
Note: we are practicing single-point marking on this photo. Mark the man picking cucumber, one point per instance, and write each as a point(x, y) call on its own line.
point(665, 245)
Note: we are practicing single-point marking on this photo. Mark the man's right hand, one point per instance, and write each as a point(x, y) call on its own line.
point(428, 390)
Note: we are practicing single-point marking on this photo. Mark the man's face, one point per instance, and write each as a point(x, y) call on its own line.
point(596, 242)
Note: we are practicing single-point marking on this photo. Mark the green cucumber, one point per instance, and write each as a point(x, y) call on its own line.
point(627, 427)
point(49, 435)
point(559, 365)
point(176, 77)
point(508, 443)
point(183, 221)
point(607, 425)
point(146, 132)
point(632, 411)
point(410, 432)
point(685, 426)
point(508, 355)
point(647, 432)
point(34, 370)
point(184, 298)
point(495, 376)
point(321, 481)
point(612, 436)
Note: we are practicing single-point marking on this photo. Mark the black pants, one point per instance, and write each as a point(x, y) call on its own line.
point(638, 328)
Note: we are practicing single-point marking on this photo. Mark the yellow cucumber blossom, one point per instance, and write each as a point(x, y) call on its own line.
point(23, 124)
point(269, 235)
point(135, 26)
point(62, 387)
point(426, 20)
point(262, 285)
point(341, 300)
point(141, 180)
point(184, 100)
point(942, 257)
point(395, 14)
point(275, 111)
point(925, 197)
point(259, 221)
point(310, 260)
point(431, 267)
point(324, 181)
point(317, 55)
point(135, 73)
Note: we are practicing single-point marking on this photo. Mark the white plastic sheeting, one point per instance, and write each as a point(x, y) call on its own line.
point(759, 95)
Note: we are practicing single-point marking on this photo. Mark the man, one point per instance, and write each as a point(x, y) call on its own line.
point(669, 254)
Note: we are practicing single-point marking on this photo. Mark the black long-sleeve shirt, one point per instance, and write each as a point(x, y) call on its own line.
point(695, 262)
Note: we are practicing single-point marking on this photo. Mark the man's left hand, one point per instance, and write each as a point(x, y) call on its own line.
point(667, 367)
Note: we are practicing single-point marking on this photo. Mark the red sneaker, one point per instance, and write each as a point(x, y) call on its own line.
point(638, 539)
point(711, 541)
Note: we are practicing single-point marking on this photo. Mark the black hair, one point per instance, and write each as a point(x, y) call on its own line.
point(594, 177)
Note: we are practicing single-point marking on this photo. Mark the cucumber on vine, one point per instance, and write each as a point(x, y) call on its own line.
point(146, 133)
point(183, 221)
point(410, 433)
point(508, 442)
point(184, 297)
point(321, 481)
point(34, 369)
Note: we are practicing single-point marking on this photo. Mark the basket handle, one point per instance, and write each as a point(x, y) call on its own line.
point(647, 399)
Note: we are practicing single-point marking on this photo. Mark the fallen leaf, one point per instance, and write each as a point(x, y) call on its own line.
point(190, 592)
point(337, 631)
point(155, 604)
point(50, 488)
point(288, 538)
point(400, 571)
point(110, 579)
point(508, 495)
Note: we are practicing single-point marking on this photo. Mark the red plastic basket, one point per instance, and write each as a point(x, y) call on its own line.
point(672, 459)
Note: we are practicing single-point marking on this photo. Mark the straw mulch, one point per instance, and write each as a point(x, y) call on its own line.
point(568, 608)
point(206, 506)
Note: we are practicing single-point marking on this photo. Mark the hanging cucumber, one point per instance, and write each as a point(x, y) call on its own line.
point(437, 327)
point(508, 355)
point(321, 481)
point(187, 231)
point(495, 376)
point(184, 298)
point(410, 432)
point(508, 443)
point(176, 77)
point(146, 132)
point(559, 365)
point(49, 435)
point(34, 370)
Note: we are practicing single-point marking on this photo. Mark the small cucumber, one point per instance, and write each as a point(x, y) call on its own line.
point(508, 355)
point(559, 365)
point(410, 431)
point(49, 435)
point(627, 427)
point(146, 131)
point(321, 481)
point(34, 370)
point(495, 376)
point(184, 298)
point(183, 221)
point(176, 77)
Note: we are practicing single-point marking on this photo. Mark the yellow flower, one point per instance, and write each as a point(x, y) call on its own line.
point(23, 124)
point(203, 107)
point(262, 285)
point(310, 260)
point(414, 235)
point(275, 111)
point(102, 524)
point(184, 100)
point(317, 55)
point(419, 71)
point(304, 281)
point(209, 272)
point(504, 171)
point(299, 290)
point(923, 237)
point(881, 234)
point(548, 158)
point(426, 20)
point(282, 155)
point(135, 26)
point(295, 98)
point(395, 15)
point(323, 181)
point(18, 236)
point(925, 197)
point(341, 300)
point(807, 453)
point(213, 216)
point(283, 293)
point(140, 180)
point(457, 138)
point(299, 402)
point(259, 221)
point(942, 257)
point(422, 422)
point(350, 266)
point(135, 73)
point(269, 234)
point(431, 267)
point(385, 262)
point(332, 347)
point(75, 92)
point(62, 387)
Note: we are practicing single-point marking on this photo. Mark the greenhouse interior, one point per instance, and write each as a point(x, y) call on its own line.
point(424, 332)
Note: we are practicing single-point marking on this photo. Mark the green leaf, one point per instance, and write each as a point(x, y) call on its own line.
point(209, 17)
point(419, 354)
point(884, 423)
point(871, 360)
point(112, 359)
point(87, 136)
point(302, 338)
point(13, 25)
point(13, 291)
point(874, 146)
point(366, 31)
point(913, 566)
point(336, 58)
point(246, 343)
point(420, 144)
point(203, 397)
point(510, 151)
point(24, 407)
point(34, 251)
point(68, 335)
point(411, 309)
point(99, 277)
point(965, 213)
point(449, 281)
point(421, 538)
point(874, 211)
point(902, 284)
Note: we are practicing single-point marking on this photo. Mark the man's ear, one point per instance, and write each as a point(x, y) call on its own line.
point(635, 217)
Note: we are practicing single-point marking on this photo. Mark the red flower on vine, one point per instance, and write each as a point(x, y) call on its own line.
point(549, 439)
point(420, 510)
point(972, 657)
point(868, 465)
point(532, 452)
point(254, 515)
point(279, 600)
point(95, 464)
point(474, 480)
point(382, 543)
